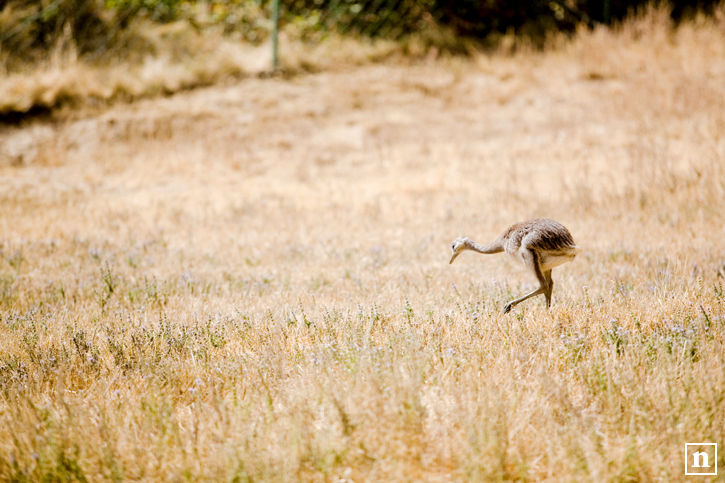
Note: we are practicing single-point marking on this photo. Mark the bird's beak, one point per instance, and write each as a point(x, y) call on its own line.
point(454, 257)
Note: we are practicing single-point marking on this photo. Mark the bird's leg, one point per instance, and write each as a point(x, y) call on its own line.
point(547, 275)
point(531, 260)
point(507, 308)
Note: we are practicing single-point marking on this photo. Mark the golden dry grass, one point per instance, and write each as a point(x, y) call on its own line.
point(175, 57)
point(251, 282)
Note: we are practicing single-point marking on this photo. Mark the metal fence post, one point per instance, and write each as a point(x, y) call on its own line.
point(275, 33)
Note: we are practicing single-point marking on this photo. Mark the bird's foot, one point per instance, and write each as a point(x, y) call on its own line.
point(507, 308)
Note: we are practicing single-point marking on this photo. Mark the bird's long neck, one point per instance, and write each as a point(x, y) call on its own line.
point(495, 247)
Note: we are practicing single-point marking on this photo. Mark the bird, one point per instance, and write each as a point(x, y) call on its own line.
point(540, 244)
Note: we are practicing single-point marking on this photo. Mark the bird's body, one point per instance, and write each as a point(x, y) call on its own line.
point(540, 244)
point(550, 239)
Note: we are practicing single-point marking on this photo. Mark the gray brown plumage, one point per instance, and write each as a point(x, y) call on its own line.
point(540, 244)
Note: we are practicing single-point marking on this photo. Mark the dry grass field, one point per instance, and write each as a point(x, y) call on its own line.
point(251, 283)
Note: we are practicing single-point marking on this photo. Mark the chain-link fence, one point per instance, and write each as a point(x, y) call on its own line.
point(371, 18)
point(313, 20)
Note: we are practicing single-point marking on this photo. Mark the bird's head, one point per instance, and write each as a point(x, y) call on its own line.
point(459, 245)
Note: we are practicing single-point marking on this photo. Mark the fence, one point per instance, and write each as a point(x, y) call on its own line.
point(27, 25)
point(367, 18)
point(97, 26)
point(392, 19)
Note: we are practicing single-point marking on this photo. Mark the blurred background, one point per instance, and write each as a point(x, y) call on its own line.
point(45, 34)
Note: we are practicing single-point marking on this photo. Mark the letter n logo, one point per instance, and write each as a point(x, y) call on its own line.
point(701, 459)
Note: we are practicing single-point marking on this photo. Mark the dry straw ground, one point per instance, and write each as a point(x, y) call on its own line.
point(251, 282)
